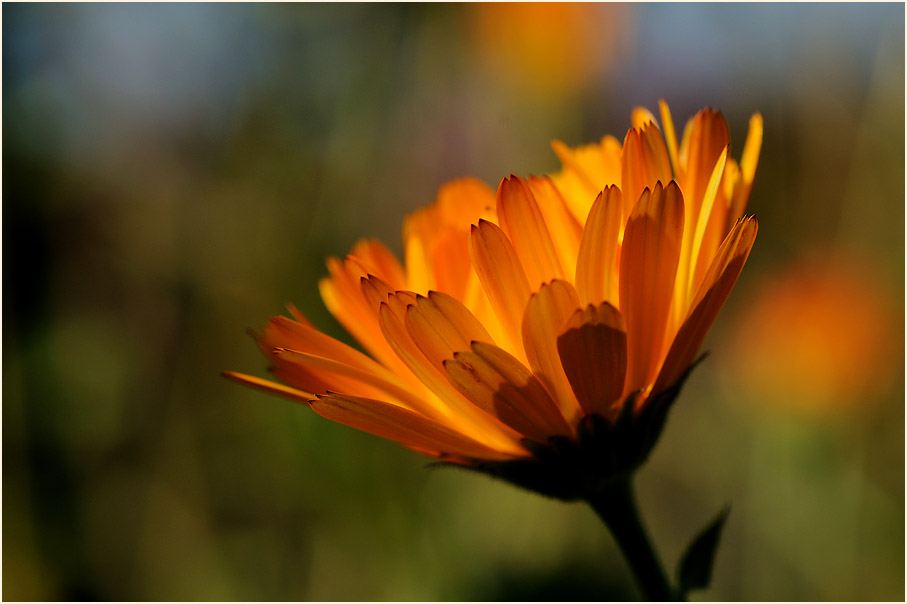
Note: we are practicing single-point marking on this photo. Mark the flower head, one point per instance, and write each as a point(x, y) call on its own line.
point(781, 349)
point(538, 333)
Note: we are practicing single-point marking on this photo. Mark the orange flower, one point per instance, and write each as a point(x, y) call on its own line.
point(547, 48)
point(791, 347)
point(527, 320)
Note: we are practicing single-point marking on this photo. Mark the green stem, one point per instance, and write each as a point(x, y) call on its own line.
point(616, 506)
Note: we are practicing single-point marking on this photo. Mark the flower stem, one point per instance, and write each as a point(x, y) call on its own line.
point(616, 506)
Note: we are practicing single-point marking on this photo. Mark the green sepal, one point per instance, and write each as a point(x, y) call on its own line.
point(695, 568)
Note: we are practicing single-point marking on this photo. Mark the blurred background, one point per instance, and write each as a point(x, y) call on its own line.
point(174, 174)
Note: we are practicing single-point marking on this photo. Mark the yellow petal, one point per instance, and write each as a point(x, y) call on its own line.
point(670, 136)
point(548, 309)
point(524, 224)
point(596, 268)
point(705, 214)
point(497, 382)
point(641, 116)
point(748, 162)
point(402, 426)
point(502, 277)
point(750, 158)
point(593, 351)
point(648, 265)
point(714, 291)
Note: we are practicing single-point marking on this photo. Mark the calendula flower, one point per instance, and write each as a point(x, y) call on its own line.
point(539, 333)
point(518, 314)
point(780, 350)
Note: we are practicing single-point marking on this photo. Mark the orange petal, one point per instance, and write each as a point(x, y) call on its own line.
point(450, 262)
point(593, 351)
point(714, 291)
point(445, 403)
point(376, 259)
point(596, 270)
point(319, 378)
point(548, 309)
point(402, 426)
point(419, 276)
point(648, 266)
point(297, 314)
point(497, 382)
point(587, 170)
point(502, 277)
point(708, 138)
point(564, 228)
point(644, 162)
point(342, 295)
point(385, 384)
point(287, 333)
point(435, 236)
point(392, 315)
point(268, 386)
point(441, 326)
point(524, 224)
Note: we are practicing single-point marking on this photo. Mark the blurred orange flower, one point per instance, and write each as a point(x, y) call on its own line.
point(818, 335)
point(547, 47)
point(520, 314)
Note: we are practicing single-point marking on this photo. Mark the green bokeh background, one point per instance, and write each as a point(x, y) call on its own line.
point(173, 174)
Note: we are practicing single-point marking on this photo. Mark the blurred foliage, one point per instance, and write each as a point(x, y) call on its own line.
point(174, 173)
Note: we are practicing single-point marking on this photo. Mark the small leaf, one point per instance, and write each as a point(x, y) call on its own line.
point(695, 569)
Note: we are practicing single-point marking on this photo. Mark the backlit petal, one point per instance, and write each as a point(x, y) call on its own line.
point(268, 387)
point(587, 170)
point(714, 291)
point(564, 228)
point(441, 326)
point(708, 138)
point(596, 265)
point(501, 274)
point(447, 404)
point(403, 426)
point(648, 265)
point(644, 162)
point(548, 309)
point(525, 226)
point(497, 382)
point(670, 135)
point(593, 351)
